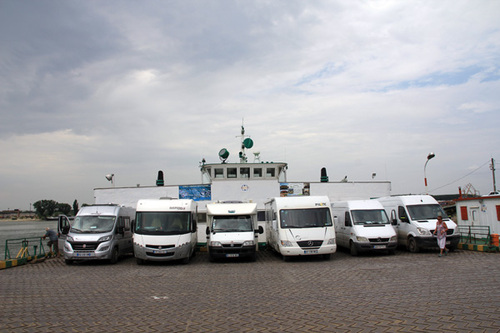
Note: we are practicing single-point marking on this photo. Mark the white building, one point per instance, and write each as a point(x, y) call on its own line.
point(480, 211)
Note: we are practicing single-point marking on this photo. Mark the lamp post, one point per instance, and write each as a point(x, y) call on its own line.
point(431, 155)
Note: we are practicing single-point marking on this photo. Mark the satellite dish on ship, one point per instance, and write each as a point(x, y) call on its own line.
point(223, 155)
point(110, 177)
point(248, 143)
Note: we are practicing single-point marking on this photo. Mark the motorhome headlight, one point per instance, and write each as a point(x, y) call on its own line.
point(249, 243)
point(361, 239)
point(424, 231)
point(286, 243)
point(393, 239)
point(69, 239)
point(104, 238)
point(215, 244)
point(331, 241)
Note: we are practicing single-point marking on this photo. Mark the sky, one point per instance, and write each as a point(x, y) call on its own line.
point(90, 88)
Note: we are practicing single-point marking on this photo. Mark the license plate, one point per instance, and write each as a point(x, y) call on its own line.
point(159, 251)
point(232, 255)
point(310, 251)
point(85, 254)
point(379, 246)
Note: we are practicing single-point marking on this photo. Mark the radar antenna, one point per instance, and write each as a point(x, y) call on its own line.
point(246, 143)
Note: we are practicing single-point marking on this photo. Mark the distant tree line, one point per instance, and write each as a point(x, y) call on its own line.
point(48, 208)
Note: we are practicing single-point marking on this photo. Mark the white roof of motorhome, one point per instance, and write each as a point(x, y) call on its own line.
point(302, 201)
point(410, 199)
point(358, 204)
point(154, 205)
point(99, 210)
point(231, 208)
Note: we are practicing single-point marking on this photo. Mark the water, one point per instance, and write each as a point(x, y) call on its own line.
point(22, 229)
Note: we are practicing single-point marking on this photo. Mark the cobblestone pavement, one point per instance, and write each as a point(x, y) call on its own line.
point(369, 293)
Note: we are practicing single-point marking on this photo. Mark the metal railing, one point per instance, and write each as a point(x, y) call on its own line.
point(22, 247)
point(474, 234)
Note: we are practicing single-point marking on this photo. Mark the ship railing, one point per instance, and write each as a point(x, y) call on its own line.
point(479, 234)
point(22, 246)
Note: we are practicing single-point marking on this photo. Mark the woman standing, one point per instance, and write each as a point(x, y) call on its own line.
point(440, 232)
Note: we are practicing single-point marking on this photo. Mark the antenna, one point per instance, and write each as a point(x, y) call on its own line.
point(246, 143)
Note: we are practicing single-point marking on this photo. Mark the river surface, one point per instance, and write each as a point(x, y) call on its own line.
point(22, 229)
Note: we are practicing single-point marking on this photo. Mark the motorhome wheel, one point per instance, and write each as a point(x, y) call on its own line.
point(412, 245)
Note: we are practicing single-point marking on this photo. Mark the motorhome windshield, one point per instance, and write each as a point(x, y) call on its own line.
point(162, 223)
point(375, 216)
point(93, 224)
point(425, 212)
point(224, 223)
point(305, 218)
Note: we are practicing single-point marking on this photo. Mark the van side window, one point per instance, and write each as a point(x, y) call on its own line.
point(127, 223)
point(347, 222)
point(394, 217)
point(194, 226)
point(402, 214)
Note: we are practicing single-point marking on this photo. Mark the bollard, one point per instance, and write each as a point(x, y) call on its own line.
point(494, 240)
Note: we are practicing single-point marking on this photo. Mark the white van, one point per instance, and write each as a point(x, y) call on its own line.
point(165, 229)
point(232, 230)
point(363, 225)
point(415, 217)
point(99, 232)
point(300, 226)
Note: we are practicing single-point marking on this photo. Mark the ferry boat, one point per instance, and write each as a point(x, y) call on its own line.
point(245, 181)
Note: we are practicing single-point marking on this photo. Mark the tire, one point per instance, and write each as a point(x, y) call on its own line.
point(211, 258)
point(114, 256)
point(353, 249)
point(391, 252)
point(287, 258)
point(68, 261)
point(327, 256)
point(412, 245)
point(185, 261)
point(139, 261)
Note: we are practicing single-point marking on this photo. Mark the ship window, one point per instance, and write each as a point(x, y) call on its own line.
point(257, 173)
point(231, 172)
point(270, 172)
point(245, 172)
point(219, 173)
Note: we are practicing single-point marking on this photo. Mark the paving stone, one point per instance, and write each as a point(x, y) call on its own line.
point(370, 293)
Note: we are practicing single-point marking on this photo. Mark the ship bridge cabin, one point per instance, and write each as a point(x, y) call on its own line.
point(244, 171)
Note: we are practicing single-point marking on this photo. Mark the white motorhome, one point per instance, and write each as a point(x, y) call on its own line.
point(363, 225)
point(415, 218)
point(232, 230)
point(300, 226)
point(165, 230)
point(99, 232)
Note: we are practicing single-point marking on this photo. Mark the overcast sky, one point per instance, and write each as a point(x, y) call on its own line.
point(90, 88)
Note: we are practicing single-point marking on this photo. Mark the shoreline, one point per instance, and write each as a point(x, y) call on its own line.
point(21, 220)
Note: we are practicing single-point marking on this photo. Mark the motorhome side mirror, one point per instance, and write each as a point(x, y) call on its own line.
point(394, 222)
point(65, 230)
point(208, 231)
point(260, 230)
